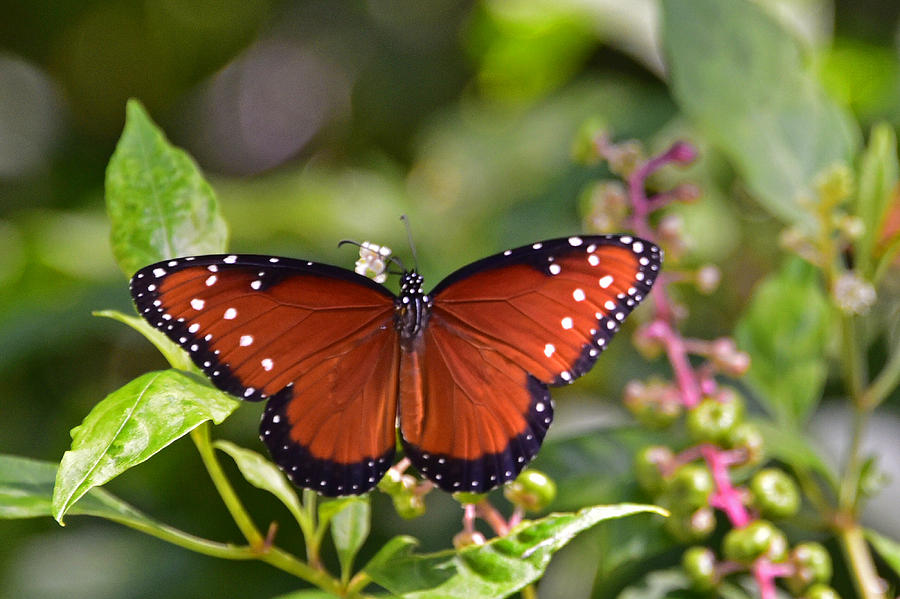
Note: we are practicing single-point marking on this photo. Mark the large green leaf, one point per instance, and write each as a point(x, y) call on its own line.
point(26, 487)
point(130, 425)
point(745, 82)
point(496, 569)
point(785, 330)
point(159, 204)
point(878, 174)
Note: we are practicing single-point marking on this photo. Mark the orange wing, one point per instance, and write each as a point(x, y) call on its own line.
point(474, 403)
point(318, 341)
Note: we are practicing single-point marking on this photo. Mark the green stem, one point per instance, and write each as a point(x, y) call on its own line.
point(314, 532)
point(852, 358)
point(886, 381)
point(859, 558)
point(529, 592)
point(285, 561)
point(200, 436)
point(188, 541)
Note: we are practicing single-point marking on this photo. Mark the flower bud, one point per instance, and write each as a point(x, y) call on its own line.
point(464, 539)
point(699, 563)
point(760, 538)
point(713, 421)
point(650, 464)
point(532, 490)
point(707, 278)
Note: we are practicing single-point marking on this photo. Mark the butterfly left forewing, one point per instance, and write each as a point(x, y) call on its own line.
point(316, 340)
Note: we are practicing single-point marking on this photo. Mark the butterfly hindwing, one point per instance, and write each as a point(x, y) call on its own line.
point(317, 340)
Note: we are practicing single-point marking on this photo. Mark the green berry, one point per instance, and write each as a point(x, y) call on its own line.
point(757, 539)
point(655, 404)
point(693, 526)
point(409, 505)
point(713, 421)
point(812, 564)
point(747, 437)
point(464, 539)
point(774, 493)
point(532, 490)
point(465, 498)
point(689, 488)
point(648, 467)
point(699, 564)
point(821, 591)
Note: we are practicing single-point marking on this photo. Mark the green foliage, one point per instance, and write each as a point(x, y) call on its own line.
point(878, 175)
point(785, 329)
point(742, 79)
point(130, 425)
point(493, 570)
point(159, 204)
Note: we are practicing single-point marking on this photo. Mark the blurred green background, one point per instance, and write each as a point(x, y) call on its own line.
point(317, 121)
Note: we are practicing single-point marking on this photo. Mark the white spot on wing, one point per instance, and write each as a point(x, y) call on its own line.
point(159, 272)
point(256, 284)
point(537, 246)
point(593, 260)
point(194, 328)
point(197, 303)
point(267, 364)
point(211, 280)
point(230, 259)
point(579, 295)
point(246, 340)
point(606, 281)
point(638, 247)
point(575, 241)
point(549, 349)
point(230, 313)
point(554, 269)
point(567, 323)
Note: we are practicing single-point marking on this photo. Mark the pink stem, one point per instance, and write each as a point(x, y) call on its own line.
point(493, 517)
point(726, 497)
point(765, 573)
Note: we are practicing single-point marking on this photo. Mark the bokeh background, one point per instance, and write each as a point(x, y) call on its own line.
point(317, 121)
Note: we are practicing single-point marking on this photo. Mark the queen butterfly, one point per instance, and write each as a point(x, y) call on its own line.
point(464, 370)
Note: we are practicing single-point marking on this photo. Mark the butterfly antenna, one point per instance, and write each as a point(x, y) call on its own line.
point(409, 239)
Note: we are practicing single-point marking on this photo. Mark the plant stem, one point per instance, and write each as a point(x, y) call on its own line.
point(529, 592)
point(859, 558)
point(886, 381)
point(200, 436)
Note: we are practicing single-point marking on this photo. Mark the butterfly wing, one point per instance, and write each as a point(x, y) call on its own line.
point(474, 400)
point(315, 340)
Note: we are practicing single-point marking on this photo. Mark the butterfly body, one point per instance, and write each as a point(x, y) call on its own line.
point(464, 369)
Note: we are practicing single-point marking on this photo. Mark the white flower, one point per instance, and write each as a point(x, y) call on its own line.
point(373, 261)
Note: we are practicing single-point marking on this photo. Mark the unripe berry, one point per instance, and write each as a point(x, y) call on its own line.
point(713, 421)
point(747, 437)
point(532, 490)
point(409, 505)
point(649, 465)
point(821, 591)
point(760, 538)
point(655, 404)
point(689, 488)
point(464, 539)
point(691, 527)
point(467, 498)
point(775, 495)
point(699, 564)
point(812, 565)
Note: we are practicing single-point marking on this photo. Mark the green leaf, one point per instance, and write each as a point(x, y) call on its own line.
point(794, 448)
point(496, 569)
point(349, 529)
point(27, 485)
point(176, 356)
point(745, 82)
point(263, 474)
point(130, 425)
point(888, 549)
point(878, 174)
point(158, 202)
point(785, 330)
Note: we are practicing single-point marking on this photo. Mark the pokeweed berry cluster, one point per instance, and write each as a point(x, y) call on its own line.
point(697, 481)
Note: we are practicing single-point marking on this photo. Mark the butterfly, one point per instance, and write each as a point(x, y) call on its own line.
point(463, 371)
